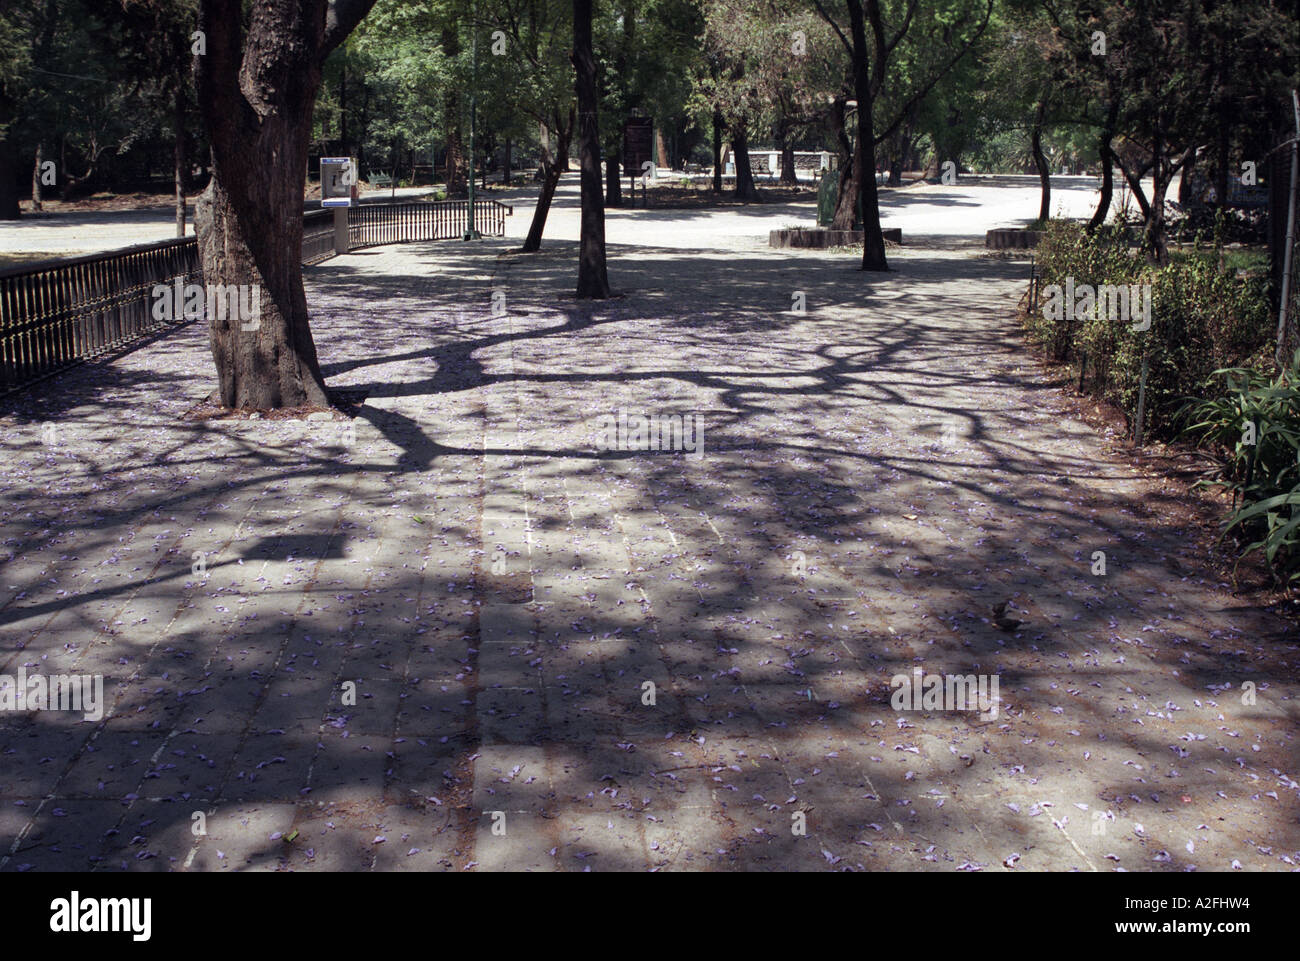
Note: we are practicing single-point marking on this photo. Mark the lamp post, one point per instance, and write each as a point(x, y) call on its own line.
point(470, 232)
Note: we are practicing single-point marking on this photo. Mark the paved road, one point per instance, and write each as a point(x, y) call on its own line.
point(877, 471)
point(967, 209)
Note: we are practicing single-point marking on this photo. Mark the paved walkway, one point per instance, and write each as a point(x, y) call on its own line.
point(877, 472)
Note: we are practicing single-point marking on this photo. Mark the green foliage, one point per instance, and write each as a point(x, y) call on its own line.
point(1203, 319)
point(1254, 427)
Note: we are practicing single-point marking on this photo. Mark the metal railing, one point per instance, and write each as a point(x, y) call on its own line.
point(370, 225)
point(57, 313)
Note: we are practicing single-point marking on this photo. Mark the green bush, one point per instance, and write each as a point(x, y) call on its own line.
point(1254, 427)
point(1203, 320)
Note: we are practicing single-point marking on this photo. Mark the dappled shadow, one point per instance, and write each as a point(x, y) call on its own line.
point(879, 469)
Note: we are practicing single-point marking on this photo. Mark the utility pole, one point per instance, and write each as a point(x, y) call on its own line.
point(470, 232)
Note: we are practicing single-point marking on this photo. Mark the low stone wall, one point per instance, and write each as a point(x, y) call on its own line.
point(1012, 238)
point(825, 237)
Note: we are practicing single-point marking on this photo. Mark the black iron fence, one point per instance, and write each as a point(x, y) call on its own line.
point(57, 313)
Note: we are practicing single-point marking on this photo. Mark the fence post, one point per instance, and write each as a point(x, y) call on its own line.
point(340, 230)
point(1142, 403)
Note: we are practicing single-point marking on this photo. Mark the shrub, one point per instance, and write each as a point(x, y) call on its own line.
point(1203, 320)
point(1254, 428)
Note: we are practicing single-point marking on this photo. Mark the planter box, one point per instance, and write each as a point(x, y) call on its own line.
point(825, 237)
point(1013, 238)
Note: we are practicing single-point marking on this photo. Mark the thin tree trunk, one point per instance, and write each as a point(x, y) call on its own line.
point(505, 164)
point(717, 151)
point(456, 183)
point(661, 154)
point(745, 189)
point(593, 279)
point(1040, 161)
point(613, 188)
point(36, 179)
point(179, 157)
point(550, 179)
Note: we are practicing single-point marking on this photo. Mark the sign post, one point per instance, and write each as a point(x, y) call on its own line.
point(338, 189)
point(638, 134)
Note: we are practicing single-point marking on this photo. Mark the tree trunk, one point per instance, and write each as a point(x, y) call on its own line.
point(717, 151)
point(456, 183)
point(661, 154)
point(8, 161)
point(873, 240)
point(550, 179)
point(593, 280)
point(36, 179)
point(846, 200)
point(1153, 234)
point(505, 164)
point(1107, 183)
point(1040, 161)
point(745, 189)
point(256, 94)
point(613, 188)
point(788, 175)
point(178, 152)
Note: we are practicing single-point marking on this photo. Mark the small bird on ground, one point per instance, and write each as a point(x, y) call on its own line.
point(1002, 621)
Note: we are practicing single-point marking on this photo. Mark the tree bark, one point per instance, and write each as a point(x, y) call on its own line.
point(1107, 168)
point(846, 200)
point(550, 179)
point(788, 174)
point(36, 179)
point(593, 279)
point(505, 164)
point(1040, 161)
point(256, 95)
point(179, 158)
point(613, 188)
point(873, 239)
point(661, 154)
point(456, 183)
point(745, 189)
point(717, 150)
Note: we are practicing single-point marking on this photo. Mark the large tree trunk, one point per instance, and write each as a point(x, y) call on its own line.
point(178, 156)
point(745, 189)
point(1040, 161)
point(256, 95)
point(551, 178)
point(593, 280)
point(718, 124)
point(873, 240)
